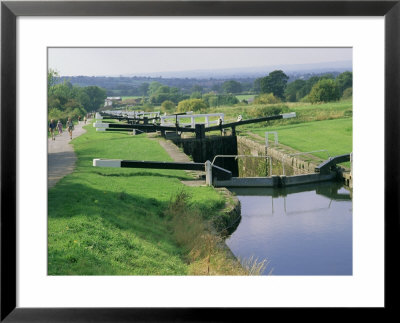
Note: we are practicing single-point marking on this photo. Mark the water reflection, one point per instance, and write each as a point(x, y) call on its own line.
point(301, 230)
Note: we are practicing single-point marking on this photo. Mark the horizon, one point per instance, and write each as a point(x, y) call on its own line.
point(154, 62)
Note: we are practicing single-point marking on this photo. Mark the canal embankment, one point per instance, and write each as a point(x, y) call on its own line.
point(229, 218)
point(281, 161)
point(109, 221)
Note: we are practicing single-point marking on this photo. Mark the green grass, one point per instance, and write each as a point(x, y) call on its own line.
point(332, 135)
point(131, 97)
point(316, 126)
point(245, 96)
point(111, 221)
point(305, 112)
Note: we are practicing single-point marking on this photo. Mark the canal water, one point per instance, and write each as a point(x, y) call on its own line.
point(302, 230)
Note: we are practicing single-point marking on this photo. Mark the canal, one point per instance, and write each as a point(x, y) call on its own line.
point(302, 230)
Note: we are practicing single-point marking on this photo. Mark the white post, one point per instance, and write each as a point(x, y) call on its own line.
point(193, 123)
point(208, 173)
point(206, 121)
point(351, 164)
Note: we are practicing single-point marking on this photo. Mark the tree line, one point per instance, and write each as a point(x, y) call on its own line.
point(323, 88)
point(65, 100)
point(271, 89)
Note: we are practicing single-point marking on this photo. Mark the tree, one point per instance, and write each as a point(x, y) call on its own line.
point(306, 89)
point(96, 97)
point(231, 87)
point(153, 87)
point(59, 94)
point(257, 85)
point(213, 100)
point(292, 91)
point(195, 95)
point(163, 93)
point(143, 88)
point(216, 87)
point(344, 81)
point(324, 91)
point(274, 83)
point(196, 88)
point(51, 78)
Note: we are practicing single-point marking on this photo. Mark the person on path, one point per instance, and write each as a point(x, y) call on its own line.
point(84, 119)
point(70, 127)
point(59, 127)
point(52, 127)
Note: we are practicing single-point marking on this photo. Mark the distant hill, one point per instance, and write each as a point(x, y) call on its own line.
point(257, 71)
point(210, 80)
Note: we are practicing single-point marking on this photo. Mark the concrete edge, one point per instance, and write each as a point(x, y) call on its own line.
point(107, 163)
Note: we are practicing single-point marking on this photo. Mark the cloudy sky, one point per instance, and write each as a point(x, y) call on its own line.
point(148, 61)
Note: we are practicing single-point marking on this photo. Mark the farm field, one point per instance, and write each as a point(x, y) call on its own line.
point(335, 136)
point(245, 96)
point(316, 126)
point(114, 221)
point(131, 97)
point(305, 111)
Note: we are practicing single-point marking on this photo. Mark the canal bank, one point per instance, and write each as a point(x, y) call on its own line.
point(299, 229)
point(257, 165)
point(108, 221)
point(230, 217)
point(281, 160)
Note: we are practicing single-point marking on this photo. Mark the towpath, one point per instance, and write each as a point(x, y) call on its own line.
point(179, 156)
point(61, 157)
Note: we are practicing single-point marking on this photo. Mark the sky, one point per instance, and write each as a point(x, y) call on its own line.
point(150, 61)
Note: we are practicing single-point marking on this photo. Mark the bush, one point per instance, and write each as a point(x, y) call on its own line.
point(55, 114)
point(191, 105)
point(305, 99)
point(324, 91)
point(168, 106)
point(148, 107)
point(213, 100)
point(348, 93)
point(267, 98)
point(196, 95)
point(63, 116)
point(348, 113)
point(266, 111)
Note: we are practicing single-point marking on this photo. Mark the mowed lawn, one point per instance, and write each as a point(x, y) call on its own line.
point(111, 221)
point(336, 136)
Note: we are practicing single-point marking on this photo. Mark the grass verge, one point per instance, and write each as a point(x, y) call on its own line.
point(204, 249)
point(113, 221)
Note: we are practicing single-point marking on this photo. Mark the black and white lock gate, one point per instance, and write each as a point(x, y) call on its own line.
point(212, 171)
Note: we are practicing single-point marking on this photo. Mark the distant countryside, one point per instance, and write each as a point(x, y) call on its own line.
point(313, 96)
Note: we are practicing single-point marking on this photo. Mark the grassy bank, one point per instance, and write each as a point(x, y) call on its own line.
point(113, 221)
point(316, 126)
point(305, 112)
point(333, 135)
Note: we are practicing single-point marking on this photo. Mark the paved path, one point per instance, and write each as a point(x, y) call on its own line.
point(179, 156)
point(61, 157)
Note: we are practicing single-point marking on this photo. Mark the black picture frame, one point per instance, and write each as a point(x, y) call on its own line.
point(10, 10)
